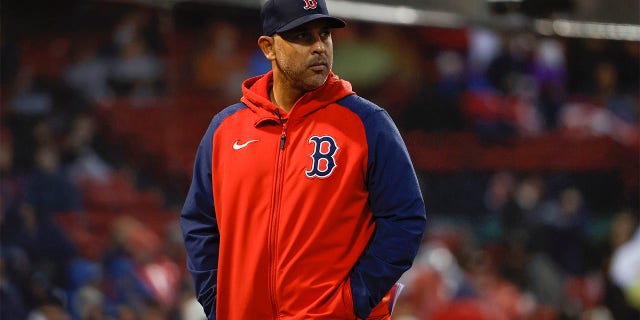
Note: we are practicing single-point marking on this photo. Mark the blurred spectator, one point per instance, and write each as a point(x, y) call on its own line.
point(624, 268)
point(524, 103)
point(50, 191)
point(219, 63)
point(522, 213)
point(31, 96)
point(43, 133)
point(607, 93)
point(46, 299)
point(136, 68)
point(447, 283)
point(622, 228)
point(498, 192)
point(507, 104)
point(12, 186)
point(11, 294)
point(84, 163)
point(564, 223)
point(520, 222)
point(141, 23)
point(124, 287)
point(513, 62)
point(550, 73)
point(14, 263)
point(90, 302)
point(50, 309)
point(451, 72)
point(431, 283)
point(137, 270)
point(136, 72)
point(28, 134)
point(606, 112)
point(484, 47)
point(88, 73)
point(188, 305)
point(86, 300)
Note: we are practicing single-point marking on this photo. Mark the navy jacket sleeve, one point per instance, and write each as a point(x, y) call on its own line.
point(200, 229)
point(398, 209)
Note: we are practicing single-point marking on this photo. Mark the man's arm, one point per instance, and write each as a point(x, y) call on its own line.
point(398, 210)
point(200, 228)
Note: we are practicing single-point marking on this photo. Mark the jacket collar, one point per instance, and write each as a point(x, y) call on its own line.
point(255, 94)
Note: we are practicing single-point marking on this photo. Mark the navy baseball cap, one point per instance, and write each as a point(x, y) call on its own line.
point(284, 15)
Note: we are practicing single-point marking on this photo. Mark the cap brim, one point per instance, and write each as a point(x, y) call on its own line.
point(333, 22)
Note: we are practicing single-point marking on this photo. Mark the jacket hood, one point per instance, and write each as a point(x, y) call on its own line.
point(255, 94)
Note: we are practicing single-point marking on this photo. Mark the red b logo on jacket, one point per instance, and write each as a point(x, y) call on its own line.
point(310, 4)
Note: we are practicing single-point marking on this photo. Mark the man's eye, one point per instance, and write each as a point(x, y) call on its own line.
point(301, 35)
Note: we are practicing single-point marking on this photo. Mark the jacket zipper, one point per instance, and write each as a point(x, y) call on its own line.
point(275, 215)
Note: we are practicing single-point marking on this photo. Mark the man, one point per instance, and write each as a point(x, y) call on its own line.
point(304, 203)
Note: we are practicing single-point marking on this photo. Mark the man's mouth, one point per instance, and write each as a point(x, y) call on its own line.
point(318, 65)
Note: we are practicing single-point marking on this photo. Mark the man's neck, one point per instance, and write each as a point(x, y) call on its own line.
point(283, 95)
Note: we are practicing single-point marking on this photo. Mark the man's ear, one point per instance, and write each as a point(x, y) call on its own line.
point(266, 45)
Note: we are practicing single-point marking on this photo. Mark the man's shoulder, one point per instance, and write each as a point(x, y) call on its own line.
point(226, 112)
point(359, 105)
point(229, 110)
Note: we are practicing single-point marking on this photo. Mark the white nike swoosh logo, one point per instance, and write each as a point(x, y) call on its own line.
point(237, 146)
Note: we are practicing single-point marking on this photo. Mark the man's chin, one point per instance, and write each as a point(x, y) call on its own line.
point(315, 82)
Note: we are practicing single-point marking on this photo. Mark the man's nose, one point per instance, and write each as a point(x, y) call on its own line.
point(318, 45)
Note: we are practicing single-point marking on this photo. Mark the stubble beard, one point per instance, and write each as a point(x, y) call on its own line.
point(298, 79)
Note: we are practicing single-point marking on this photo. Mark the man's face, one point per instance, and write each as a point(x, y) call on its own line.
point(304, 55)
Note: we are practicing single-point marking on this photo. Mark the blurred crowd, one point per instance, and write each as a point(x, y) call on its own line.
point(515, 245)
point(533, 249)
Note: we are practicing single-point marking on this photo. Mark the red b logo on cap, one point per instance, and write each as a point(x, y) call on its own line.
point(310, 4)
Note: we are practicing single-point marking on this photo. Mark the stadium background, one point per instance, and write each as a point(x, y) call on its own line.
point(521, 118)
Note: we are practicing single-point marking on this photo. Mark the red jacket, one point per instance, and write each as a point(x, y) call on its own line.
point(298, 215)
